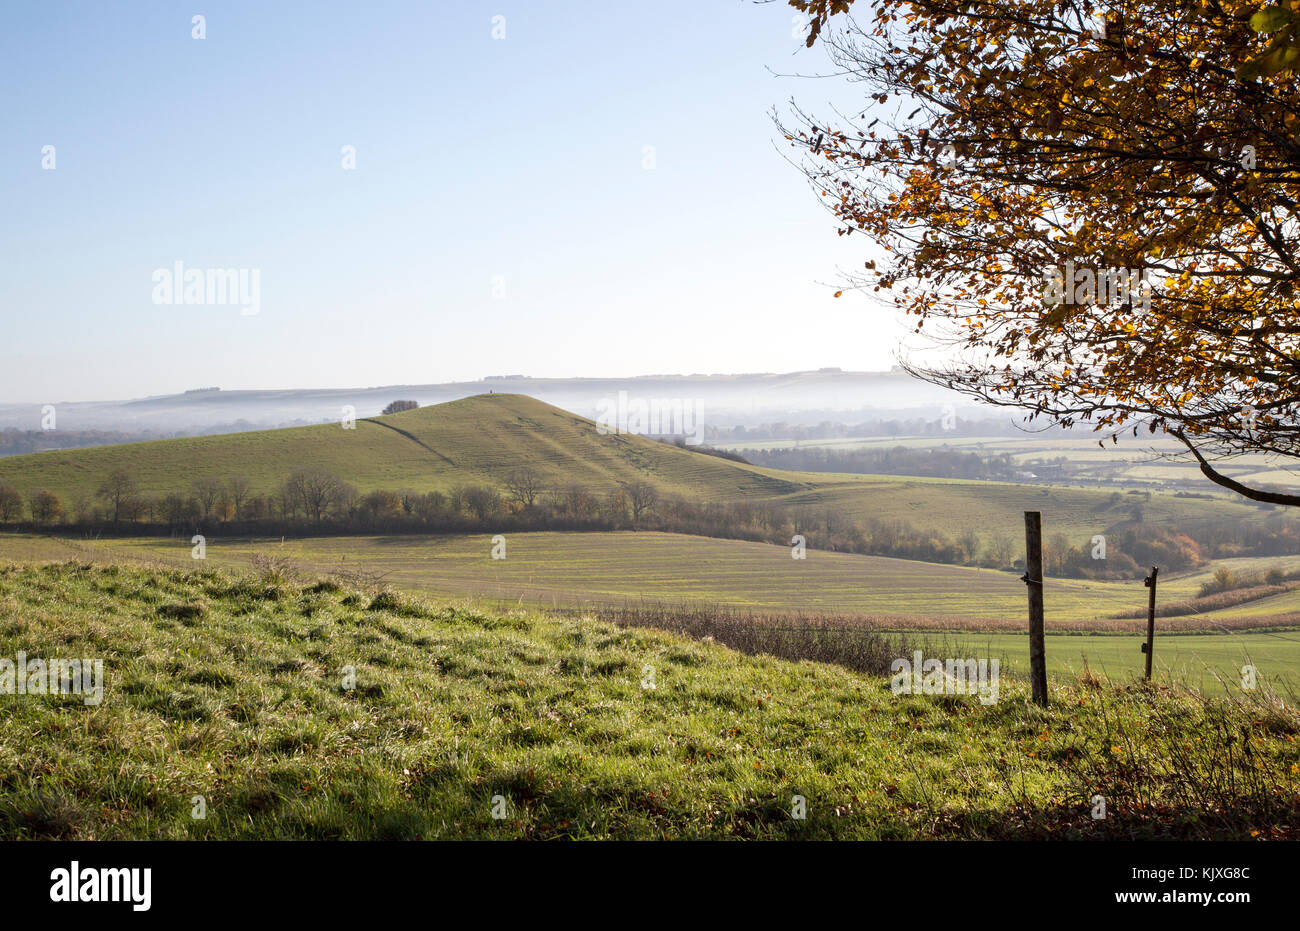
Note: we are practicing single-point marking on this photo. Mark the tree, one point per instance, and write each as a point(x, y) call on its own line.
point(316, 490)
point(483, 503)
point(117, 492)
point(382, 505)
point(396, 407)
point(207, 491)
point(1282, 53)
point(1084, 204)
point(46, 507)
point(430, 507)
point(578, 501)
point(180, 511)
point(524, 485)
point(11, 502)
point(150, 505)
point(81, 507)
point(642, 497)
point(237, 491)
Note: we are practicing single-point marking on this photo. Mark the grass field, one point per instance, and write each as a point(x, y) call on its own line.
point(230, 697)
point(481, 439)
point(1132, 461)
point(579, 569)
point(584, 570)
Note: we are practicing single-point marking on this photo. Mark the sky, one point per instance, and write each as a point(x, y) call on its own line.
point(599, 191)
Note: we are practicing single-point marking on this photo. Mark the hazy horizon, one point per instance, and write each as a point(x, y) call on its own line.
point(462, 233)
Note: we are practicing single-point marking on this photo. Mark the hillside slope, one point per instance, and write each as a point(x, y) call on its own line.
point(478, 439)
point(466, 724)
point(483, 438)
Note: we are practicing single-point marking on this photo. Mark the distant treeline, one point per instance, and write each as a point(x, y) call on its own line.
point(897, 460)
point(18, 442)
point(315, 502)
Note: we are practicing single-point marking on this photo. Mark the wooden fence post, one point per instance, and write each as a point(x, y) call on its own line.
point(1149, 647)
point(1033, 579)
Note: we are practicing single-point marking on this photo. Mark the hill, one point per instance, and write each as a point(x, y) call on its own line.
point(483, 438)
point(286, 710)
point(478, 439)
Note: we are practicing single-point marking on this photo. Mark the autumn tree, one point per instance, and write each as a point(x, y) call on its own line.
point(45, 506)
point(238, 488)
point(382, 505)
point(484, 503)
point(11, 502)
point(1089, 207)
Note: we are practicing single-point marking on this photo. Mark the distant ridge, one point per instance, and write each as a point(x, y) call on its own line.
point(796, 397)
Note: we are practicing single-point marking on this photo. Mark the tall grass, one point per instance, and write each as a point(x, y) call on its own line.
point(820, 638)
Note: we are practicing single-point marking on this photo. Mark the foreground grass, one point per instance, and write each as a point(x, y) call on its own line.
point(231, 688)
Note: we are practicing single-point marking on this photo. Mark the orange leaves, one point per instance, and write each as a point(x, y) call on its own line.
point(1123, 150)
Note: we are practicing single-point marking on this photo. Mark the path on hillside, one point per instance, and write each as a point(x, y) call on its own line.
point(410, 436)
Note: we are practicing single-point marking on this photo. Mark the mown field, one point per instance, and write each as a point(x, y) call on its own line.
point(228, 696)
point(483, 438)
point(1132, 461)
point(588, 570)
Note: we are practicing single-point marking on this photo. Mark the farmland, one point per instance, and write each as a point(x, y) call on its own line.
point(586, 571)
point(483, 438)
point(1134, 462)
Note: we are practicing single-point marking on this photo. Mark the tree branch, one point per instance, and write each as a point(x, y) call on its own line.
point(1269, 497)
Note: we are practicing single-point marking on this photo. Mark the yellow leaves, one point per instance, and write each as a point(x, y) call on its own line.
point(839, 293)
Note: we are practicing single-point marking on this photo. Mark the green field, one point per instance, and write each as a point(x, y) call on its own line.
point(483, 438)
point(582, 569)
point(587, 570)
point(1133, 461)
point(459, 723)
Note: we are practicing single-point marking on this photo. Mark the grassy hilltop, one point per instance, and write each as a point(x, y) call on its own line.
point(231, 687)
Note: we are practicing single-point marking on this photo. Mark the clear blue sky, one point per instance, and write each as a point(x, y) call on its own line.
point(476, 158)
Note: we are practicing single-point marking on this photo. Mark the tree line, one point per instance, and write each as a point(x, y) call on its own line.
point(896, 460)
point(315, 501)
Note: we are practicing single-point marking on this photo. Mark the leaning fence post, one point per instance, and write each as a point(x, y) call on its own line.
point(1149, 647)
point(1033, 579)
